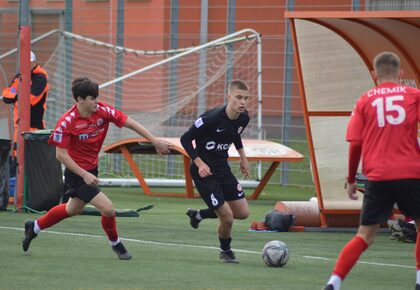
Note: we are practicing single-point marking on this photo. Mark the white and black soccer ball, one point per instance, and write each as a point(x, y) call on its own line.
point(275, 254)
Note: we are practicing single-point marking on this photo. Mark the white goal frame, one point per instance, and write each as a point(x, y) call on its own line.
point(175, 53)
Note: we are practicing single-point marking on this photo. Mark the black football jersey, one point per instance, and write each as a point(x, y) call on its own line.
point(214, 133)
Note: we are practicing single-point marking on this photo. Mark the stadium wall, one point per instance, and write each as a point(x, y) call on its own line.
point(149, 24)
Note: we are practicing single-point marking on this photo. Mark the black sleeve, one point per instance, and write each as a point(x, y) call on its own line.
point(238, 142)
point(186, 141)
point(197, 130)
point(39, 82)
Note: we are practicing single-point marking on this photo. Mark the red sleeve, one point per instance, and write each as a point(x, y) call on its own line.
point(418, 105)
point(120, 119)
point(113, 115)
point(355, 152)
point(60, 137)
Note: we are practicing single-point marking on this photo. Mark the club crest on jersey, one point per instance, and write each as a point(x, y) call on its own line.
point(83, 136)
point(198, 123)
point(58, 137)
point(99, 122)
point(240, 129)
point(239, 187)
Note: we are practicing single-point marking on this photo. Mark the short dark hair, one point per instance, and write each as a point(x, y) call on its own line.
point(387, 64)
point(238, 84)
point(83, 87)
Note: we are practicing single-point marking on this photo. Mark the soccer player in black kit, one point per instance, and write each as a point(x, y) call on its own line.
point(214, 132)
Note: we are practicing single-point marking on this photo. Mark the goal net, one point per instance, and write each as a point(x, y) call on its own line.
point(165, 91)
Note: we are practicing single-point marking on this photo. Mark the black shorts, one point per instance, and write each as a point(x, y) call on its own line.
point(218, 188)
point(75, 186)
point(380, 197)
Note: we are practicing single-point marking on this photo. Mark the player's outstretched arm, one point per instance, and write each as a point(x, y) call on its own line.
point(63, 156)
point(162, 147)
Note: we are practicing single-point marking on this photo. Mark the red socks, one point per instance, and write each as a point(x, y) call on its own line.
point(53, 216)
point(58, 213)
point(109, 225)
point(349, 256)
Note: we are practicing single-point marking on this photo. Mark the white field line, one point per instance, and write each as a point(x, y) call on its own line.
point(363, 262)
point(204, 247)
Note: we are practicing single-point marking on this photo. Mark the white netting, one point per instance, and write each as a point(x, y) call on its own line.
point(166, 99)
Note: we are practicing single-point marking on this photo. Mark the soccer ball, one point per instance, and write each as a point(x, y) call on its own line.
point(275, 254)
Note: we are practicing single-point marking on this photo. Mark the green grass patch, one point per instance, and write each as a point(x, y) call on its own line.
point(169, 254)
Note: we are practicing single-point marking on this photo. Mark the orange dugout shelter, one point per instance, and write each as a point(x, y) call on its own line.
point(334, 52)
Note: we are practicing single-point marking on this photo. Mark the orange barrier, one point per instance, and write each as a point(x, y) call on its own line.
point(306, 213)
point(255, 150)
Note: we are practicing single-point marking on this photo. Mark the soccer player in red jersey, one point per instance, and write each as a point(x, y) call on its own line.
point(383, 132)
point(78, 137)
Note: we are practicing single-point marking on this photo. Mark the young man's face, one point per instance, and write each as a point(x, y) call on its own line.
point(238, 100)
point(89, 104)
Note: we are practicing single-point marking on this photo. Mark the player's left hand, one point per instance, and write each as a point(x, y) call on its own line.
point(244, 166)
point(351, 190)
point(163, 147)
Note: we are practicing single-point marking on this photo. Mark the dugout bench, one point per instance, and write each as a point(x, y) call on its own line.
point(256, 150)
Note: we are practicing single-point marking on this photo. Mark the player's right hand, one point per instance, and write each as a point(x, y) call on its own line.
point(351, 190)
point(204, 170)
point(163, 147)
point(90, 179)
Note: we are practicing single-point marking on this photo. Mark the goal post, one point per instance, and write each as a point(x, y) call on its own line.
point(242, 44)
point(179, 53)
point(164, 90)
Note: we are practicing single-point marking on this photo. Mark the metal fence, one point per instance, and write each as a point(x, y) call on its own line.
point(183, 23)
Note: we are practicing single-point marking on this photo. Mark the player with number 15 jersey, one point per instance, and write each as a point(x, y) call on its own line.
point(385, 120)
point(383, 131)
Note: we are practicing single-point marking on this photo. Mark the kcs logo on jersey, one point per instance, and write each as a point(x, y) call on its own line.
point(219, 147)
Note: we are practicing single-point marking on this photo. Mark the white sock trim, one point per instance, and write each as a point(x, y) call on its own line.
point(113, 243)
point(335, 281)
point(37, 229)
point(198, 215)
point(418, 277)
